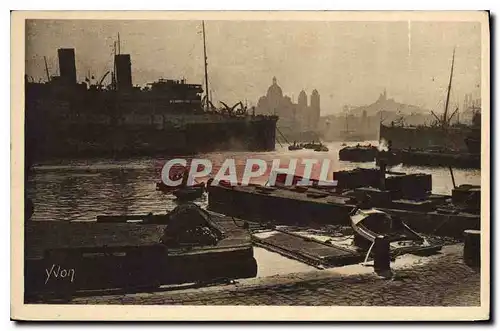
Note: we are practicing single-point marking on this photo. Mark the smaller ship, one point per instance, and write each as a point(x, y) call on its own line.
point(464, 139)
point(313, 145)
point(295, 147)
point(321, 148)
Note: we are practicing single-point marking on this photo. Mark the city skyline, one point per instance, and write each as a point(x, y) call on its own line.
point(339, 59)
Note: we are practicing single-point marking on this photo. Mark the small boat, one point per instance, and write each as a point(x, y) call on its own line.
point(371, 223)
point(358, 153)
point(189, 193)
point(312, 145)
point(321, 148)
point(295, 147)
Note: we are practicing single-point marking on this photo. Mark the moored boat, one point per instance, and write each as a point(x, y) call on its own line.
point(321, 148)
point(312, 145)
point(403, 195)
point(295, 147)
point(369, 224)
point(358, 153)
point(189, 193)
point(187, 245)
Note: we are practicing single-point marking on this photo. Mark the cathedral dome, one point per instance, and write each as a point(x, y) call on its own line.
point(274, 90)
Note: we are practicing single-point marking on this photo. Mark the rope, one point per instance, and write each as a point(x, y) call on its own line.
point(282, 135)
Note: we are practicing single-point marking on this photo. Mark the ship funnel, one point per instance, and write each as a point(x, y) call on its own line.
point(123, 71)
point(67, 67)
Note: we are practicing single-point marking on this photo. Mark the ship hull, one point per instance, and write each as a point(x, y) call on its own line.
point(56, 136)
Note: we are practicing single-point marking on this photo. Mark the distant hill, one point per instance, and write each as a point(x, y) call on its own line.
point(387, 105)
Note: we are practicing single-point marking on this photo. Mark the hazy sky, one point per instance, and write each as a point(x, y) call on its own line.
point(347, 62)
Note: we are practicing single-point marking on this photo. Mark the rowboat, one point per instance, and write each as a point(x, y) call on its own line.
point(369, 224)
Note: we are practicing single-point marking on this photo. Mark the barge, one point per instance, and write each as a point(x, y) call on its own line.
point(400, 195)
point(358, 153)
point(188, 245)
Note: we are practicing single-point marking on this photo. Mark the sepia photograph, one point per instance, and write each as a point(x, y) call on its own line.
point(245, 165)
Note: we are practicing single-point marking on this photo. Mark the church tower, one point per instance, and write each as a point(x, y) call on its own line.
point(315, 110)
point(302, 111)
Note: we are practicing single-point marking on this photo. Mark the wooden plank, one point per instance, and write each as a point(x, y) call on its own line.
point(305, 249)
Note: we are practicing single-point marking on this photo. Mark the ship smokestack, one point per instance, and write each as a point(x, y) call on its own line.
point(67, 67)
point(123, 71)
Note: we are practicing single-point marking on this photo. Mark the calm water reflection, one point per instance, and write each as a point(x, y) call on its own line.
point(83, 189)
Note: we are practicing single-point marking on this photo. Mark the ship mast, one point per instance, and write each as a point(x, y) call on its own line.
point(119, 44)
point(206, 66)
point(113, 75)
point(445, 115)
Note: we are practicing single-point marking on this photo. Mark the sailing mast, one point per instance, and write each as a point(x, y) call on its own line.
point(207, 94)
point(445, 115)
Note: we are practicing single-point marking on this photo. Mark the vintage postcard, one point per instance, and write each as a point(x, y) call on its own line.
point(250, 166)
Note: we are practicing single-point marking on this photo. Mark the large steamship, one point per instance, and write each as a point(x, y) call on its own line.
point(168, 117)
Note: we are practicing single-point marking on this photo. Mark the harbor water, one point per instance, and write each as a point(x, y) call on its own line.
point(79, 190)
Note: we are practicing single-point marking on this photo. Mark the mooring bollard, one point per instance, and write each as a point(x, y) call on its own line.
point(472, 247)
point(381, 255)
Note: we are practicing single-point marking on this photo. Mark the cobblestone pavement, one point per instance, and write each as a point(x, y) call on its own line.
point(443, 280)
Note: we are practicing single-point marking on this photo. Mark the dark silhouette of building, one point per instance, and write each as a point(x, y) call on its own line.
point(293, 118)
point(314, 111)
